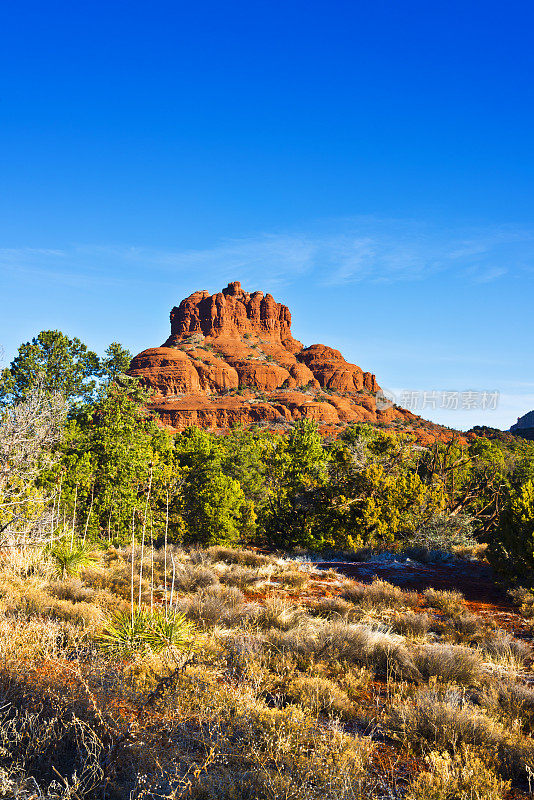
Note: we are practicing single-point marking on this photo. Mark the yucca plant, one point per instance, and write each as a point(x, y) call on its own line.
point(69, 562)
point(124, 632)
point(173, 631)
point(128, 632)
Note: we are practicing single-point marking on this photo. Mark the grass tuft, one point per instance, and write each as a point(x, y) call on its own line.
point(446, 721)
point(450, 663)
point(448, 602)
point(459, 776)
point(379, 594)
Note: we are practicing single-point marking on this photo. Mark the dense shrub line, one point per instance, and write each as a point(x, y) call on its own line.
point(109, 473)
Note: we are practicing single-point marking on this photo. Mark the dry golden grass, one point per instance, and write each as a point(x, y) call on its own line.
point(242, 577)
point(510, 702)
point(217, 605)
point(294, 576)
point(320, 695)
point(229, 555)
point(525, 601)
point(278, 613)
point(450, 663)
point(464, 775)
point(379, 594)
point(380, 650)
point(448, 602)
point(331, 607)
point(191, 577)
point(447, 721)
point(26, 641)
point(465, 627)
point(411, 624)
point(279, 698)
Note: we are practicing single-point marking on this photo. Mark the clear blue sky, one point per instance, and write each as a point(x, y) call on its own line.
point(369, 163)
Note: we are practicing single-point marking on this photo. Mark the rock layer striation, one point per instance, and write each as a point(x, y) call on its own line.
point(231, 359)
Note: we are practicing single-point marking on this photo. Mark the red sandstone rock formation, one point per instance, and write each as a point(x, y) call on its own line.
point(231, 359)
point(233, 313)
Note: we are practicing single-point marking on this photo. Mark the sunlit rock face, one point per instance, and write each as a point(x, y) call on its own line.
point(231, 359)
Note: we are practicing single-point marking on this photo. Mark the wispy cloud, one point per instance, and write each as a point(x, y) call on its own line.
point(491, 274)
point(335, 254)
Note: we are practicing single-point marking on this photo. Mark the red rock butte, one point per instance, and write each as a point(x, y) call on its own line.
point(231, 359)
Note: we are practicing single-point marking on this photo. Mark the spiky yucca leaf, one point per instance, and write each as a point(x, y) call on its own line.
point(145, 630)
point(124, 632)
point(67, 562)
point(174, 631)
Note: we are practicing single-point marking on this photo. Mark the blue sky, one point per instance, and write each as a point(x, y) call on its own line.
point(370, 164)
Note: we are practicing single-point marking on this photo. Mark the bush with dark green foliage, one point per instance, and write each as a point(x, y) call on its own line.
point(511, 548)
point(56, 363)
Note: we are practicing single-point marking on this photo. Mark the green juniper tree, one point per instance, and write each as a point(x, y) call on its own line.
point(111, 453)
point(296, 469)
point(212, 503)
point(115, 362)
point(55, 363)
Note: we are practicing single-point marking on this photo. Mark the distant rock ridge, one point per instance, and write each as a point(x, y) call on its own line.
point(524, 427)
point(231, 359)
